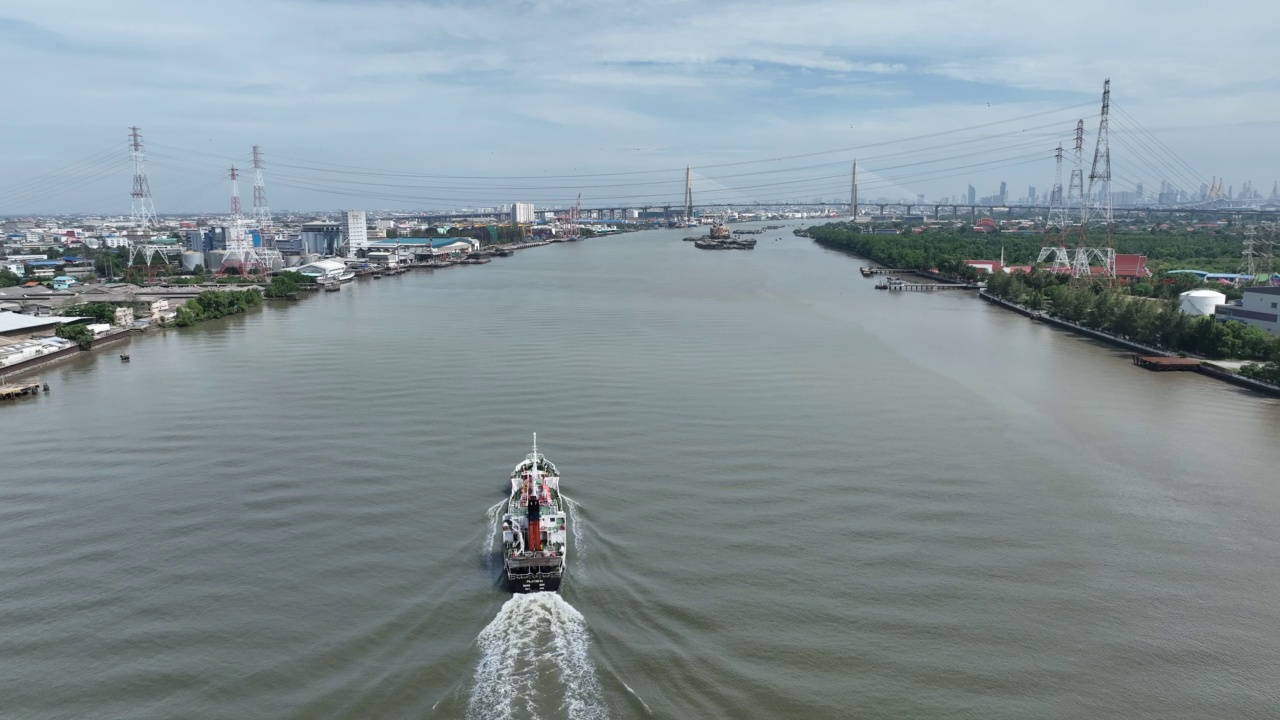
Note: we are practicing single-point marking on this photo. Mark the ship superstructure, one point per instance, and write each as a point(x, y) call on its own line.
point(534, 527)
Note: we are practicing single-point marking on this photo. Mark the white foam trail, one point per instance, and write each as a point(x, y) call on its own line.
point(534, 659)
point(643, 704)
point(579, 536)
point(490, 544)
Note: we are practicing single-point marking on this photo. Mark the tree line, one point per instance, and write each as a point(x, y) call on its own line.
point(1159, 323)
point(1164, 249)
point(212, 304)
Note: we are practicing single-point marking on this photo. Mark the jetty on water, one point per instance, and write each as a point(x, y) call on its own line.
point(1164, 363)
point(869, 271)
point(10, 392)
point(900, 284)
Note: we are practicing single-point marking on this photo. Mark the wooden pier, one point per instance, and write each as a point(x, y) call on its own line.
point(1164, 363)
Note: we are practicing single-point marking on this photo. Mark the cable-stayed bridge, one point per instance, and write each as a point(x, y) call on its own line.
point(187, 180)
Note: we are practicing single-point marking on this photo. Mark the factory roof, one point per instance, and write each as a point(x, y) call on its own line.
point(13, 322)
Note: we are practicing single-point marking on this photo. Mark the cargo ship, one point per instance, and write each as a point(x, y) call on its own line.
point(534, 527)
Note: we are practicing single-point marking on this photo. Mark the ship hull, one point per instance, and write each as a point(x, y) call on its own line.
point(530, 585)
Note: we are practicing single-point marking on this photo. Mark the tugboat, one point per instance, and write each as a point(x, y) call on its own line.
point(534, 531)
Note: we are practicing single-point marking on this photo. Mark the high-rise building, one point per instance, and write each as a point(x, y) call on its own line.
point(1031, 195)
point(1004, 192)
point(973, 195)
point(1138, 192)
point(355, 231)
point(521, 212)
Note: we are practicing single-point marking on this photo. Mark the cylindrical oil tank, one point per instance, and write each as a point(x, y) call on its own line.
point(277, 263)
point(292, 260)
point(1200, 302)
point(214, 258)
point(191, 260)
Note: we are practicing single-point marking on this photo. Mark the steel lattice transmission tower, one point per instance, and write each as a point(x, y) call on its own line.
point(1249, 254)
point(688, 195)
point(143, 210)
point(1100, 172)
point(261, 212)
point(1075, 192)
point(1055, 247)
point(853, 193)
point(235, 195)
point(1055, 195)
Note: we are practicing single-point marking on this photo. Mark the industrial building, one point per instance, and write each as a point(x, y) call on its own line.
point(323, 269)
point(14, 325)
point(1259, 307)
point(320, 238)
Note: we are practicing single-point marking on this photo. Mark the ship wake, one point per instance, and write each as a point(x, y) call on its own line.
point(489, 549)
point(535, 663)
point(579, 540)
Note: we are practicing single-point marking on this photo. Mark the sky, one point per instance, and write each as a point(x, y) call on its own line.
point(407, 104)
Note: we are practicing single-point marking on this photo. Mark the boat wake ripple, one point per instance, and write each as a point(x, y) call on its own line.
point(579, 537)
point(535, 662)
point(490, 545)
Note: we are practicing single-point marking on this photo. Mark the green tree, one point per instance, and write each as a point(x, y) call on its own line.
point(100, 312)
point(76, 333)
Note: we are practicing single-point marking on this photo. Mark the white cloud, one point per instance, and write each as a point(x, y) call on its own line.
point(519, 86)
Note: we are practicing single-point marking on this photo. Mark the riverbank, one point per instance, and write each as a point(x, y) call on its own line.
point(203, 302)
point(1203, 368)
point(114, 338)
point(1213, 371)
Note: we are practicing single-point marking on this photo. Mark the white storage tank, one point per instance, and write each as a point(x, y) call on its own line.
point(1200, 302)
point(191, 260)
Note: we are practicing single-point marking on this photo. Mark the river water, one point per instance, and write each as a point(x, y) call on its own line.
point(794, 496)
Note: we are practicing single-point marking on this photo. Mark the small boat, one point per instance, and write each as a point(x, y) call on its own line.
point(124, 357)
point(534, 531)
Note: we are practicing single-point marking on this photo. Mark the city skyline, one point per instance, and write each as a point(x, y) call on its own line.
point(492, 93)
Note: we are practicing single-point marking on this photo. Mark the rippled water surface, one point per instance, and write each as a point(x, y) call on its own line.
point(793, 496)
